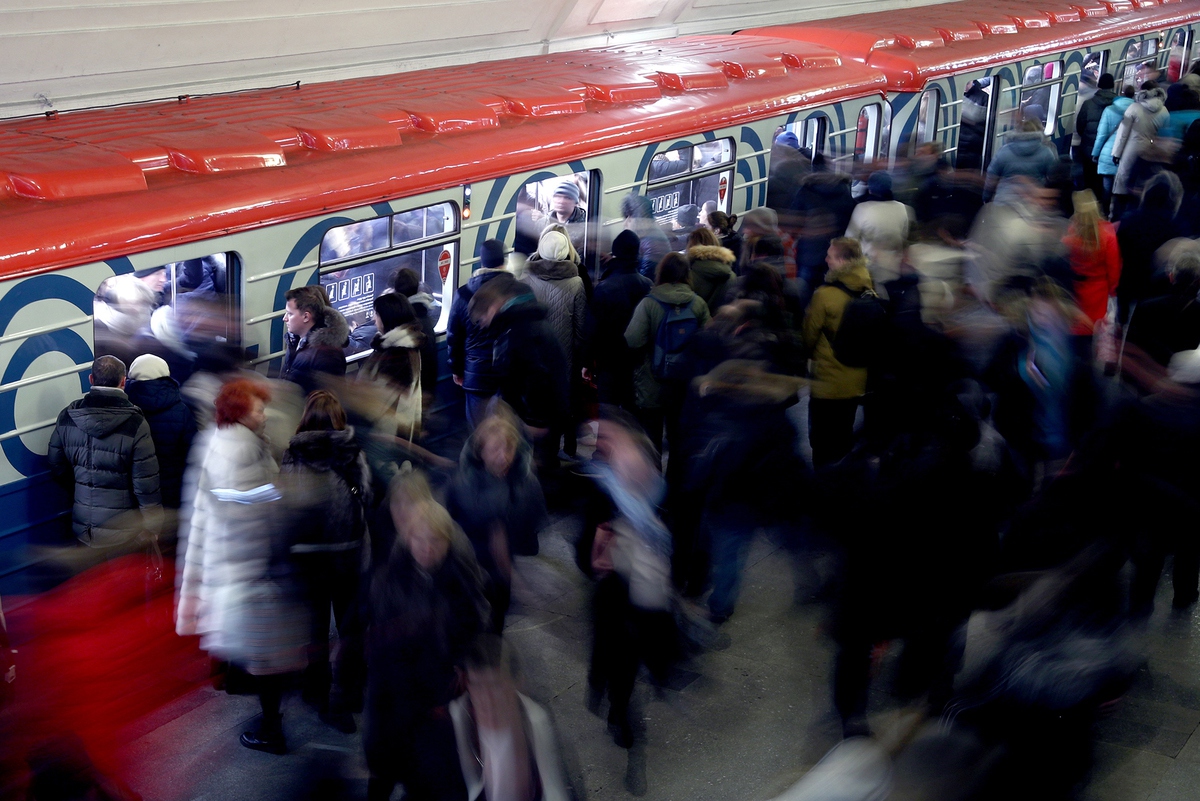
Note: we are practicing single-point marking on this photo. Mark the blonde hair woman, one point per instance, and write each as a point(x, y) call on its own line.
point(1095, 260)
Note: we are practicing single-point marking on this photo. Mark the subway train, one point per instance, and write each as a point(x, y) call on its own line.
point(244, 196)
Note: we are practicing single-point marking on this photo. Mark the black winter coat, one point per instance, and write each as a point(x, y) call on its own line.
point(419, 627)
point(102, 447)
point(1167, 325)
point(332, 478)
point(470, 346)
point(172, 426)
point(822, 207)
point(318, 353)
point(532, 365)
point(620, 290)
point(1141, 233)
point(477, 501)
point(1087, 121)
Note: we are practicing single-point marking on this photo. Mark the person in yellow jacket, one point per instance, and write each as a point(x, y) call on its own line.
point(836, 389)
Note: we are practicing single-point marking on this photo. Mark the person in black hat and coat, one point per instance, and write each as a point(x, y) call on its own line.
point(620, 290)
point(470, 345)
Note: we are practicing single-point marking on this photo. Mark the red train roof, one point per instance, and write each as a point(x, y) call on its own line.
point(918, 44)
point(90, 185)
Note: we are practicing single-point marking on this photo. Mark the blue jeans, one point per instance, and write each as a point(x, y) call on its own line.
point(730, 546)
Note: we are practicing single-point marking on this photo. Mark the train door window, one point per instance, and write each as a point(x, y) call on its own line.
point(1177, 58)
point(355, 239)
point(706, 185)
point(1041, 92)
point(174, 310)
point(1089, 76)
point(1139, 63)
point(811, 133)
point(885, 130)
point(567, 200)
point(866, 138)
point(974, 117)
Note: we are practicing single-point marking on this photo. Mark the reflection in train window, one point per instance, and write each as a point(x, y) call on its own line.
point(679, 207)
point(712, 154)
point(383, 233)
point(417, 224)
point(1139, 63)
point(177, 311)
point(355, 239)
point(352, 290)
point(927, 117)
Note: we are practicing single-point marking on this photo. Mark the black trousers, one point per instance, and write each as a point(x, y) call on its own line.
point(831, 428)
point(331, 581)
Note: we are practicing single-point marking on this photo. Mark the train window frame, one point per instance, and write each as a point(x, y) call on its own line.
point(592, 222)
point(1129, 63)
point(169, 294)
point(722, 170)
point(927, 124)
point(691, 168)
point(390, 221)
point(869, 151)
point(1024, 92)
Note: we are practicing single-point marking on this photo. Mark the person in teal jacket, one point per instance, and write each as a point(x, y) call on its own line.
point(1110, 121)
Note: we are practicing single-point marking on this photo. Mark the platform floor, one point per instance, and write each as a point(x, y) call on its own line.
point(745, 722)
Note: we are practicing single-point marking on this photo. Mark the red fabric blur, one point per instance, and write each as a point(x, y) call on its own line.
point(1096, 273)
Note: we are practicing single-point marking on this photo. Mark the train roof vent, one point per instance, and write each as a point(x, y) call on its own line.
point(1062, 16)
point(690, 77)
point(337, 130)
point(997, 27)
point(814, 59)
point(540, 99)
point(964, 32)
point(226, 149)
point(448, 114)
point(1118, 6)
point(1091, 10)
point(1031, 20)
point(75, 171)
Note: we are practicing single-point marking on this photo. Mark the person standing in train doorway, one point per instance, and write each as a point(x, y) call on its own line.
point(102, 449)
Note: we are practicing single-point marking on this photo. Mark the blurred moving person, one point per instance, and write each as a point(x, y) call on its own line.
point(620, 289)
point(1142, 122)
point(506, 744)
point(1095, 261)
point(1106, 135)
point(496, 498)
point(408, 284)
point(423, 609)
point(102, 450)
point(237, 589)
point(333, 488)
point(881, 224)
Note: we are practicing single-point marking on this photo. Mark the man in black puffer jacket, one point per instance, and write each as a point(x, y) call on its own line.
point(102, 448)
point(1087, 123)
point(469, 344)
point(172, 424)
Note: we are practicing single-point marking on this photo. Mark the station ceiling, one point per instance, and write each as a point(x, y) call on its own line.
point(70, 54)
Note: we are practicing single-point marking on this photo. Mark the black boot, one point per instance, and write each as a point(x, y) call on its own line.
point(268, 738)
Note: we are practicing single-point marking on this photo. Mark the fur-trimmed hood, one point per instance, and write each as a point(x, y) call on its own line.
point(551, 270)
point(334, 333)
point(711, 253)
point(747, 383)
point(408, 335)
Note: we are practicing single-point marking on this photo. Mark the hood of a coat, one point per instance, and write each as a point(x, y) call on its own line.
point(335, 333)
point(1026, 143)
point(408, 335)
point(747, 383)
point(1152, 100)
point(1104, 97)
point(854, 275)
point(619, 265)
point(323, 450)
point(482, 276)
point(422, 299)
point(154, 395)
point(674, 294)
point(101, 412)
point(551, 270)
point(711, 253)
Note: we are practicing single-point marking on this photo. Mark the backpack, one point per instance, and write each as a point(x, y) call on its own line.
point(678, 326)
point(862, 333)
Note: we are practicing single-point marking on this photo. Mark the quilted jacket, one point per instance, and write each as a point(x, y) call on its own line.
point(101, 445)
point(558, 287)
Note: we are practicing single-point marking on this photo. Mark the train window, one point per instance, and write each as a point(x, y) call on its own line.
point(355, 239)
point(352, 290)
point(175, 310)
point(712, 154)
point(679, 205)
point(423, 223)
point(671, 163)
point(1138, 63)
point(1178, 57)
point(1041, 90)
point(866, 138)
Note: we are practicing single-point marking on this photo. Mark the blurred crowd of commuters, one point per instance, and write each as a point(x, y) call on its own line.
point(1001, 380)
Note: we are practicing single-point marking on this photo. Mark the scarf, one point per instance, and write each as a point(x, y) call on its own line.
point(640, 509)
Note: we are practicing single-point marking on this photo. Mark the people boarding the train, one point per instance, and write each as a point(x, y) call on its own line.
point(837, 388)
point(553, 273)
point(316, 335)
point(407, 283)
point(469, 345)
point(1025, 153)
point(1087, 128)
point(102, 450)
point(1141, 123)
point(822, 207)
point(881, 225)
point(620, 289)
point(172, 425)
point(1106, 135)
point(653, 244)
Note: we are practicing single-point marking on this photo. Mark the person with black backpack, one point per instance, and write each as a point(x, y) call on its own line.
point(329, 475)
point(663, 325)
point(844, 329)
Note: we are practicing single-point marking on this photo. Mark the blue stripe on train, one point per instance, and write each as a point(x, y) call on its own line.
point(37, 515)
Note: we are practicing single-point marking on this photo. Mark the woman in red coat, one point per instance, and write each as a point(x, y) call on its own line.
point(1095, 260)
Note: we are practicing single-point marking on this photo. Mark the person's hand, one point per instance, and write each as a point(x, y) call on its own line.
point(1116, 159)
point(458, 379)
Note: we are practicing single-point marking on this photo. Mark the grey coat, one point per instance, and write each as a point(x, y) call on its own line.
point(1143, 120)
point(558, 287)
point(102, 448)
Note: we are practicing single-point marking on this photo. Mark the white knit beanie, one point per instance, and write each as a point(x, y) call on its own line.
point(148, 367)
point(554, 246)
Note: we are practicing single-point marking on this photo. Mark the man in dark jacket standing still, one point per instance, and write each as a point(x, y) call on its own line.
point(314, 340)
point(1087, 123)
point(102, 448)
